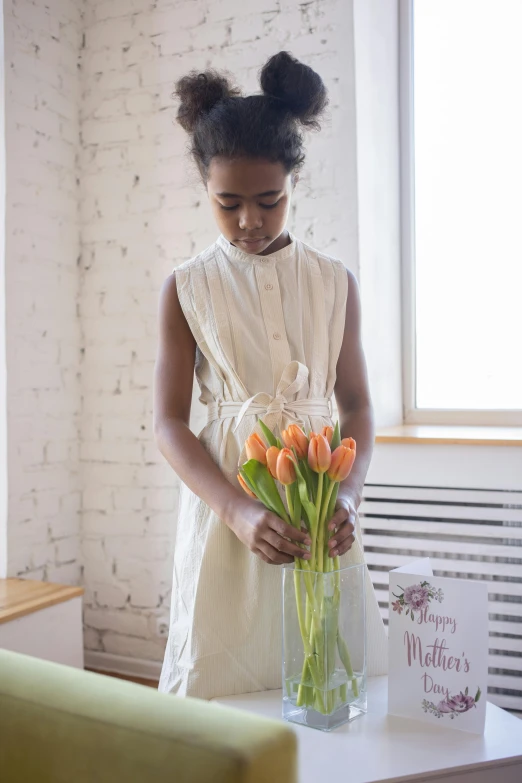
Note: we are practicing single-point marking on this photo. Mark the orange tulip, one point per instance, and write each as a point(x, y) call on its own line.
point(294, 436)
point(271, 459)
point(245, 486)
point(319, 454)
point(255, 448)
point(285, 470)
point(328, 434)
point(342, 461)
point(349, 443)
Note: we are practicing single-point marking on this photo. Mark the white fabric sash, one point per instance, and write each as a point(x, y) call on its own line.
point(280, 410)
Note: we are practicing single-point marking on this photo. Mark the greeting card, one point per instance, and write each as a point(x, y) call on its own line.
point(438, 648)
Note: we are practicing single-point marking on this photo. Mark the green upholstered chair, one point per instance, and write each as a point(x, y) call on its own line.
point(64, 725)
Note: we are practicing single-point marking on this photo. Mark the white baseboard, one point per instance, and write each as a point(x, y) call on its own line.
point(119, 664)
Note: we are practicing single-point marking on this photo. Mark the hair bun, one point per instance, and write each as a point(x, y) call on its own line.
point(199, 93)
point(300, 89)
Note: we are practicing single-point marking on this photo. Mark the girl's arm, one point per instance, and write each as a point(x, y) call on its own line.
point(355, 419)
point(263, 532)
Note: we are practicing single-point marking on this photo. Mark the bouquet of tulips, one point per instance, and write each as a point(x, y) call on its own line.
point(310, 468)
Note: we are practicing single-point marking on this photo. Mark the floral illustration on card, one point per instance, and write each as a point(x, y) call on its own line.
point(415, 598)
point(452, 705)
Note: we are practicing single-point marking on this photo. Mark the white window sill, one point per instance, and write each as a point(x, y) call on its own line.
point(434, 434)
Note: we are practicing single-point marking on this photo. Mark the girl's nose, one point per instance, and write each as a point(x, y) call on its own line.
point(250, 219)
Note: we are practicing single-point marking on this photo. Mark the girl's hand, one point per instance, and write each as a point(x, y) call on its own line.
point(342, 526)
point(265, 534)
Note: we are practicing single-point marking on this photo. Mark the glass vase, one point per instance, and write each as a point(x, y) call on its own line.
point(324, 646)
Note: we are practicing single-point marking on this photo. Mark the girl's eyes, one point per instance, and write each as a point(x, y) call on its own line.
point(265, 206)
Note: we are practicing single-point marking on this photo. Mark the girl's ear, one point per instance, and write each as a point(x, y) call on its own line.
point(295, 180)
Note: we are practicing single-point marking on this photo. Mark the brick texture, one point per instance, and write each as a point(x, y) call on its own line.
point(85, 321)
point(42, 88)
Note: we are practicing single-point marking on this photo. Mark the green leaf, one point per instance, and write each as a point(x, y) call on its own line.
point(310, 477)
point(412, 617)
point(304, 517)
point(296, 499)
point(264, 486)
point(279, 444)
point(466, 692)
point(336, 438)
point(269, 435)
point(306, 503)
point(477, 697)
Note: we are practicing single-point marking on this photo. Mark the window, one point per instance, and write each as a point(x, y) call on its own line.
point(461, 202)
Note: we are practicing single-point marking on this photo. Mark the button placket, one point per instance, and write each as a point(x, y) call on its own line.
point(272, 309)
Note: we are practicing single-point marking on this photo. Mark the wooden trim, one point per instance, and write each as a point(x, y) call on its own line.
point(19, 597)
point(451, 435)
point(128, 677)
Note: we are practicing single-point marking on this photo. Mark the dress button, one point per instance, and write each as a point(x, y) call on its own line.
point(269, 286)
point(277, 336)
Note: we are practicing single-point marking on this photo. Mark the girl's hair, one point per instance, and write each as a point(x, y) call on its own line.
point(222, 122)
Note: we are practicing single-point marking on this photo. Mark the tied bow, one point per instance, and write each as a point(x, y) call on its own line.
point(281, 408)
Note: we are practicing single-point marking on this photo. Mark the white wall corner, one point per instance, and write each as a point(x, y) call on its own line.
point(3, 366)
point(376, 45)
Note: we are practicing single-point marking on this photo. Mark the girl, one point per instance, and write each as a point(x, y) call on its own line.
point(272, 328)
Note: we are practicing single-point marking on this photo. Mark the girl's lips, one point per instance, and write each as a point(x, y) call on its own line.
point(252, 245)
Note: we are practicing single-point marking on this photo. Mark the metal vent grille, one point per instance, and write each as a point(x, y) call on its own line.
point(468, 534)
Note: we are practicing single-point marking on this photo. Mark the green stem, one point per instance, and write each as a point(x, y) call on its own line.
point(319, 498)
point(321, 531)
point(308, 650)
point(290, 504)
point(314, 560)
point(344, 655)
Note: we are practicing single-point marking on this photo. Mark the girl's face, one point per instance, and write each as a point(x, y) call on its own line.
point(250, 199)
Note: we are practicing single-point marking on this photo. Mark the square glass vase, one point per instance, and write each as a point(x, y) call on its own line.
point(324, 646)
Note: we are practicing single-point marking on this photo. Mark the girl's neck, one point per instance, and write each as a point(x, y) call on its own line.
point(278, 244)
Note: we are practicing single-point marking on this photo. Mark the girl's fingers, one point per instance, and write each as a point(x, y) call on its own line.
point(342, 515)
point(345, 531)
point(273, 556)
point(287, 531)
point(282, 545)
point(343, 547)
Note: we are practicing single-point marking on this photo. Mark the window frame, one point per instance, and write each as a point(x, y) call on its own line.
point(412, 414)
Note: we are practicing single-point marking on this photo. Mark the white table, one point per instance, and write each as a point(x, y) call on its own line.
point(381, 747)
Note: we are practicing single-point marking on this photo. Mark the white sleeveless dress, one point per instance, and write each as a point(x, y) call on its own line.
point(268, 328)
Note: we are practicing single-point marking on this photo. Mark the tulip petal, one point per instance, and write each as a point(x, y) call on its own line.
point(341, 464)
point(255, 448)
point(349, 443)
point(245, 485)
point(319, 454)
point(285, 467)
point(271, 460)
point(327, 431)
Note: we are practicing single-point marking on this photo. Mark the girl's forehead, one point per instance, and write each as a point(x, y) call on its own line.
point(246, 176)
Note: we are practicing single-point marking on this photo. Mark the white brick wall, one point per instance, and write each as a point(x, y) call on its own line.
point(142, 214)
point(42, 89)
point(83, 337)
